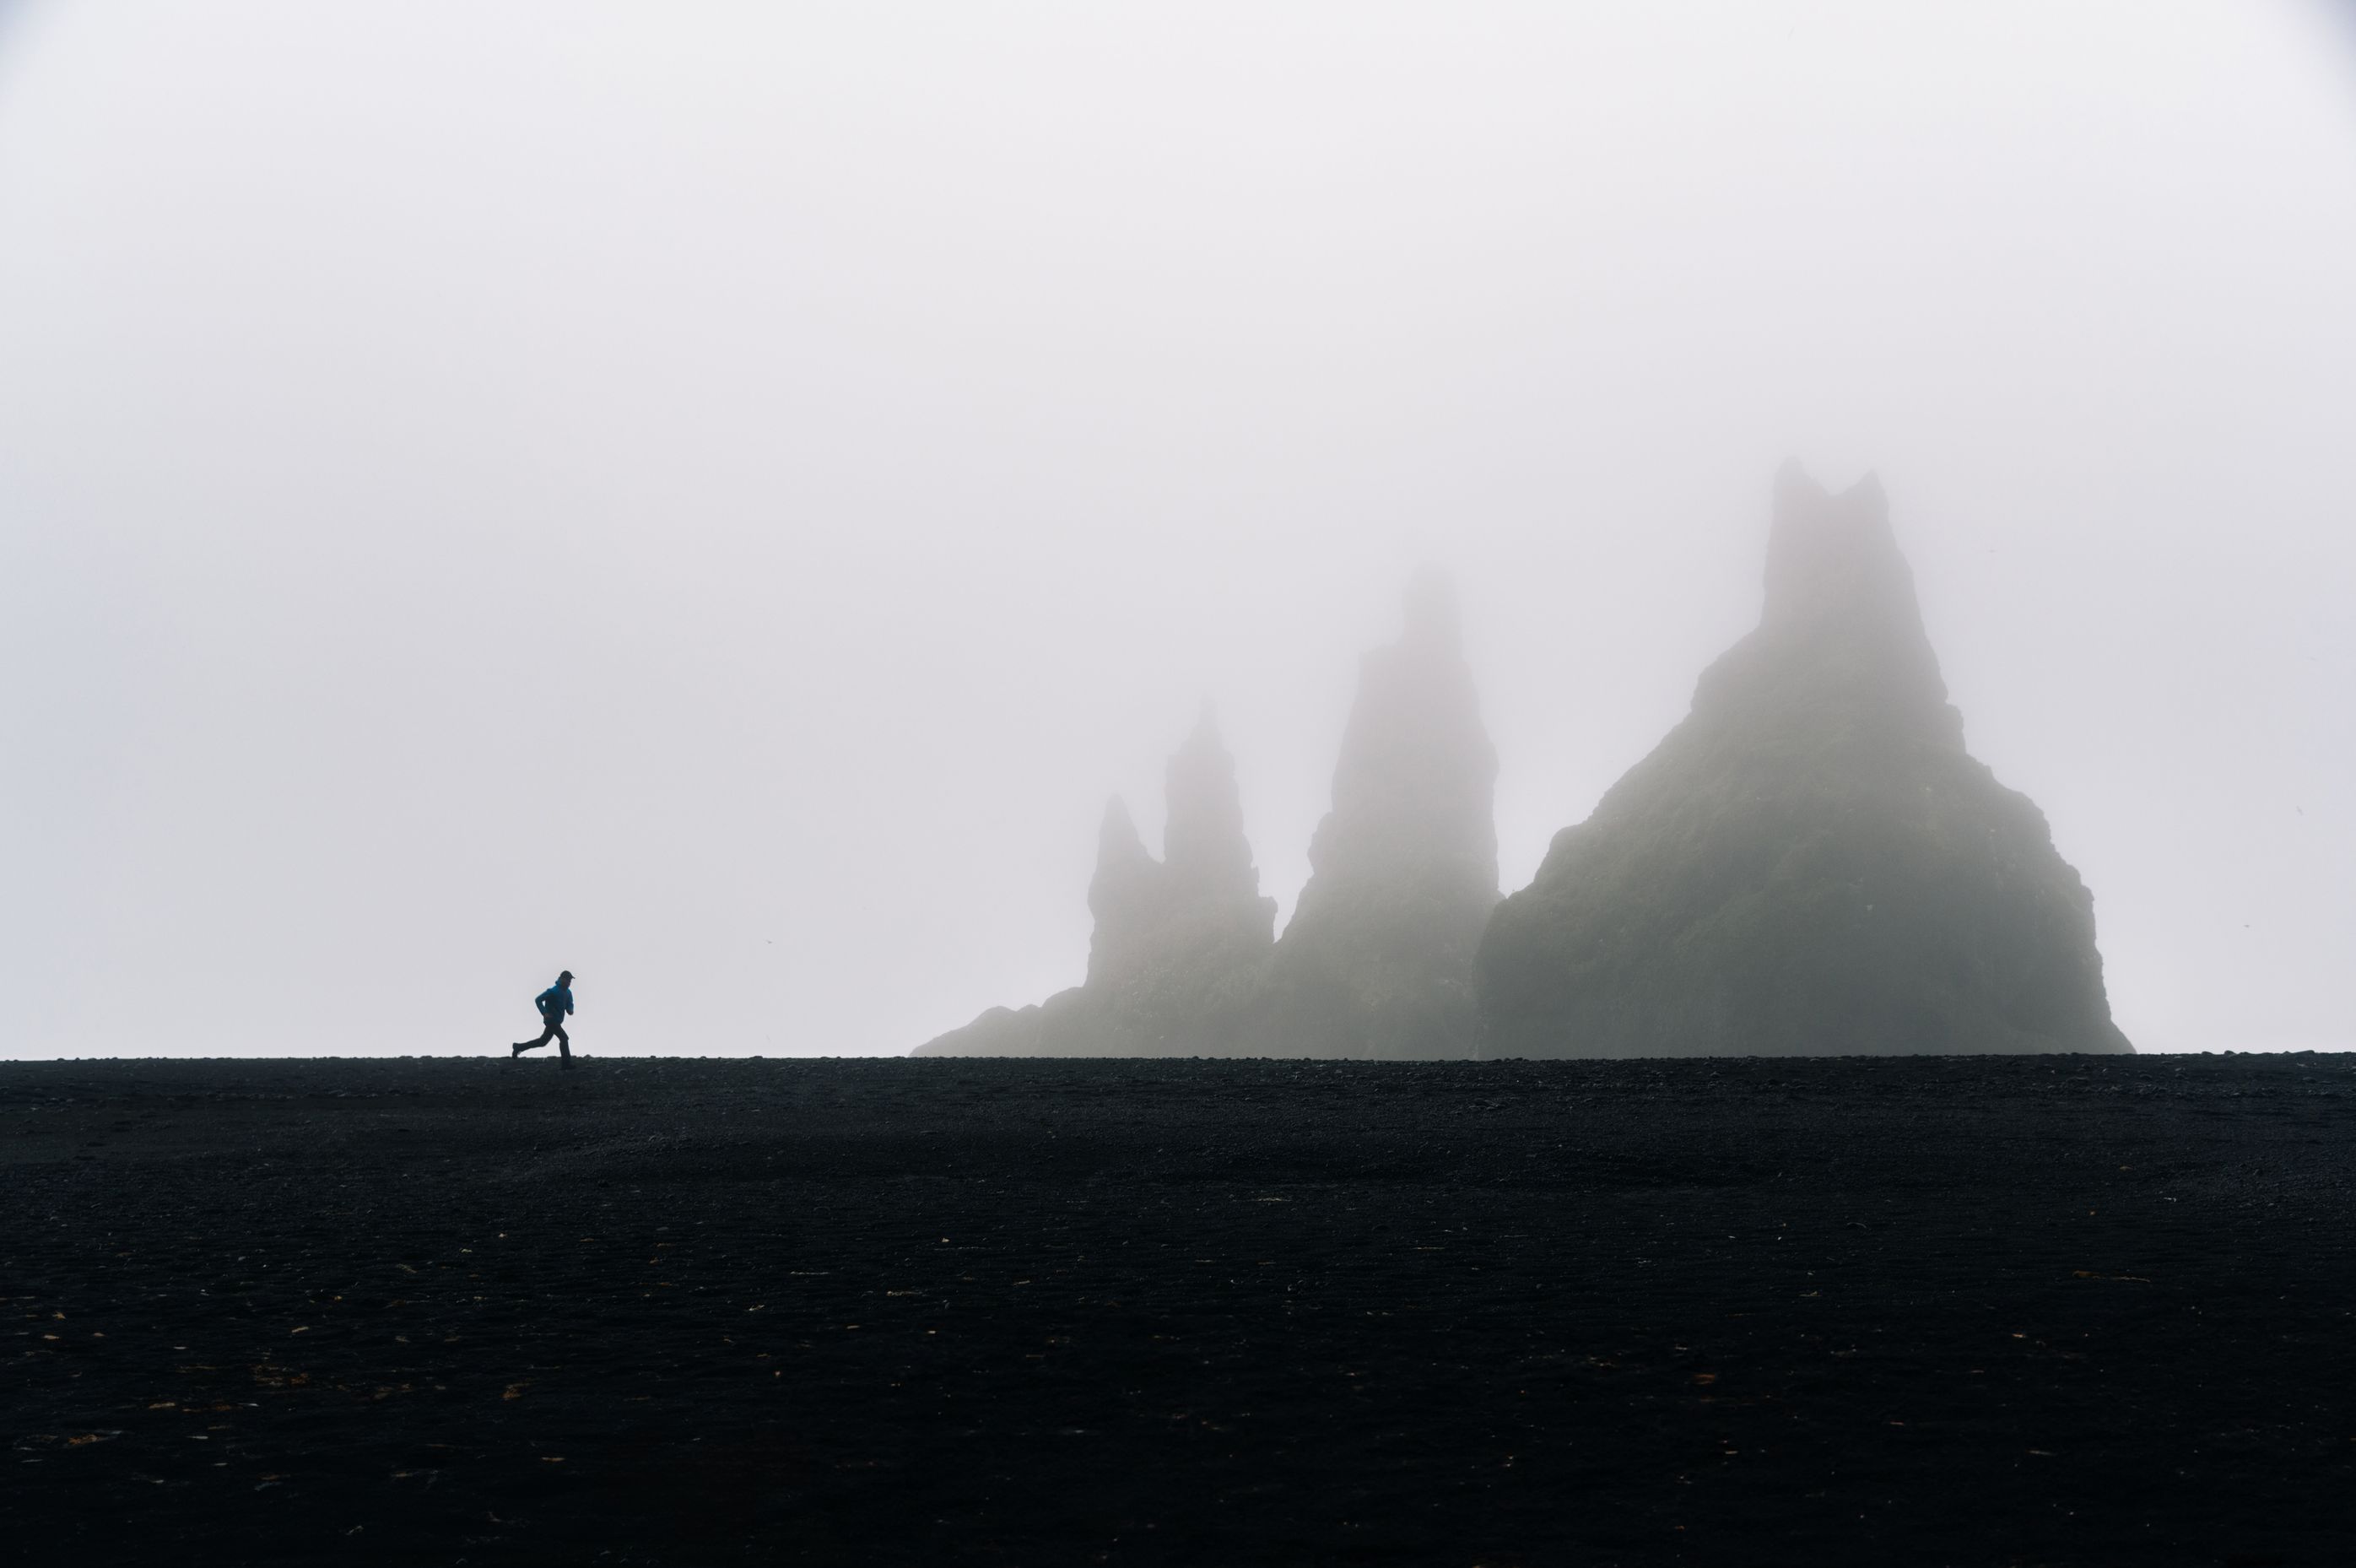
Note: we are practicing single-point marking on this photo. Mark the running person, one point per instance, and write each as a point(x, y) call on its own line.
point(554, 1003)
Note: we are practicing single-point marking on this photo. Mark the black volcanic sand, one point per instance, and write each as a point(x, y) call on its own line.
point(2046, 1310)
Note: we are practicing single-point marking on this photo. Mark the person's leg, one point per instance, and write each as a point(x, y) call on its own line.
point(535, 1045)
point(564, 1043)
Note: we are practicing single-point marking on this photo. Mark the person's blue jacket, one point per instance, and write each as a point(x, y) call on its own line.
point(555, 1002)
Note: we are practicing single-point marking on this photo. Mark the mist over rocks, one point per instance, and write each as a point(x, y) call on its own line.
point(1378, 958)
point(1180, 943)
point(1810, 863)
point(1126, 898)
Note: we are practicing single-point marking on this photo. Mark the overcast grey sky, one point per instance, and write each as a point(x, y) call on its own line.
point(715, 496)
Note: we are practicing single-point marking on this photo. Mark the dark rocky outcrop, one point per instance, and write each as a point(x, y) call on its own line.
point(1180, 943)
point(1378, 960)
point(1810, 863)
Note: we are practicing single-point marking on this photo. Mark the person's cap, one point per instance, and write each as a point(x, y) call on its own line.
point(566, 975)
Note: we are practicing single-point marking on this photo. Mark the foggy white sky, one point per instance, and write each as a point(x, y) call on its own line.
point(716, 497)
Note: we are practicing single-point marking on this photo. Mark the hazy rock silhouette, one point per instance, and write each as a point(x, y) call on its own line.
point(1126, 896)
point(1378, 960)
point(1180, 943)
point(1810, 863)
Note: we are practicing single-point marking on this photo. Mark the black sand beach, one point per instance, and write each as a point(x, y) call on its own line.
point(2030, 1310)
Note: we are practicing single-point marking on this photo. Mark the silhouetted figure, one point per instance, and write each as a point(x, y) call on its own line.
point(554, 1003)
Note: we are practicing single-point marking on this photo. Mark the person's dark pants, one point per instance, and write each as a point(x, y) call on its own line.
point(555, 1031)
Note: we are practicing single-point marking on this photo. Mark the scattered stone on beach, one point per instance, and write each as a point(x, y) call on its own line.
point(1290, 1309)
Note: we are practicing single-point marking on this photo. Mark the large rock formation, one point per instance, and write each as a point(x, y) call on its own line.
point(1180, 942)
point(1378, 960)
point(1810, 863)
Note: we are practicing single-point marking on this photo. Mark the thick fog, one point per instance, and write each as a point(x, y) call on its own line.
point(716, 497)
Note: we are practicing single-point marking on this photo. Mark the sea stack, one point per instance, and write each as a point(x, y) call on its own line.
point(1378, 960)
point(1810, 863)
point(1180, 942)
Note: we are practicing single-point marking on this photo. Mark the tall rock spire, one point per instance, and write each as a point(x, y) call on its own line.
point(1203, 846)
point(1840, 619)
point(1180, 942)
point(1378, 958)
point(1125, 896)
point(1415, 787)
point(1810, 863)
